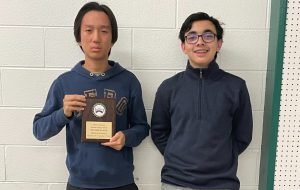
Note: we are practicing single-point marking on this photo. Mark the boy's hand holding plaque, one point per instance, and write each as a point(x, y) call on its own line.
point(98, 120)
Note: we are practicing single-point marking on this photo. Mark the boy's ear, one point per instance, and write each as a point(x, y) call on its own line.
point(183, 47)
point(220, 43)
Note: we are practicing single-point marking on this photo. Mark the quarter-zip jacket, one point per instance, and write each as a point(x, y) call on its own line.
point(201, 122)
point(92, 165)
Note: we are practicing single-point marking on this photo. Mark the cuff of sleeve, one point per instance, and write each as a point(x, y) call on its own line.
point(61, 119)
point(128, 138)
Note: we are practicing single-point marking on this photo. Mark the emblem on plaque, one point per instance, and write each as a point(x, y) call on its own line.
point(99, 110)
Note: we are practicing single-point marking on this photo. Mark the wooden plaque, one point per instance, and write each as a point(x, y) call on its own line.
point(98, 120)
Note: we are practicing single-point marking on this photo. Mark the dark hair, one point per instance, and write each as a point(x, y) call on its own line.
point(94, 6)
point(187, 25)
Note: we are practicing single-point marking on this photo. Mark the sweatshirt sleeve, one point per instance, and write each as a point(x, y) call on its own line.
point(51, 120)
point(242, 121)
point(160, 122)
point(139, 128)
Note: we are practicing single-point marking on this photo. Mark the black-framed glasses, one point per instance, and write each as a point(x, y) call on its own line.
point(193, 38)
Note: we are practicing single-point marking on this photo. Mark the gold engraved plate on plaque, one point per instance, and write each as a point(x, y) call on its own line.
point(98, 130)
point(99, 120)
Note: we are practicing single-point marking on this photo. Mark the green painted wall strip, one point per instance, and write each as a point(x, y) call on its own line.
point(273, 92)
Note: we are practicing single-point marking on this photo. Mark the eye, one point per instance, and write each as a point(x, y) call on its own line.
point(208, 35)
point(192, 37)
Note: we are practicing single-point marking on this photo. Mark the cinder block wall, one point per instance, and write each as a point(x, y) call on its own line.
point(37, 45)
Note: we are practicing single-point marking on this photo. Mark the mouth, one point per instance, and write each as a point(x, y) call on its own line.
point(201, 52)
point(96, 49)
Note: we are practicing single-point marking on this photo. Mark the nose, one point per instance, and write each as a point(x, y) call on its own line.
point(200, 41)
point(96, 37)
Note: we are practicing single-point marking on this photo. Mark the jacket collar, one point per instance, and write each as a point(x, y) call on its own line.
point(211, 72)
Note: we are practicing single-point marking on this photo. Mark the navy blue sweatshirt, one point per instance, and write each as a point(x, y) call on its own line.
point(92, 165)
point(201, 122)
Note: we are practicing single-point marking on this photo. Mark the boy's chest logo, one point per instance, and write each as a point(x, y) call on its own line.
point(98, 110)
point(121, 105)
point(90, 93)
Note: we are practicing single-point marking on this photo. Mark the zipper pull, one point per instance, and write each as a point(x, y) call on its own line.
point(201, 76)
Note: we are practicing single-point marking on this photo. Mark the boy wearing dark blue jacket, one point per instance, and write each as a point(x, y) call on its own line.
point(202, 117)
point(93, 165)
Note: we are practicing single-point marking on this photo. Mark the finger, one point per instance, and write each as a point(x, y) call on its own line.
point(115, 138)
point(73, 102)
point(118, 136)
point(111, 145)
point(68, 110)
point(75, 97)
point(106, 144)
point(117, 147)
point(114, 145)
point(78, 109)
point(76, 104)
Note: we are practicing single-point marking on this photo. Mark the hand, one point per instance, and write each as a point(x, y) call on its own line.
point(117, 142)
point(72, 103)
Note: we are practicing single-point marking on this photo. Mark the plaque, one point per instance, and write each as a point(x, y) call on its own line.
point(98, 120)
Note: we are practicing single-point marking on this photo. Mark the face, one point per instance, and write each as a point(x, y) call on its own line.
point(201, 53)
point(96, 36)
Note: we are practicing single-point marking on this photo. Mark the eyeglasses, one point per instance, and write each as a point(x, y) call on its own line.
point(193, 38)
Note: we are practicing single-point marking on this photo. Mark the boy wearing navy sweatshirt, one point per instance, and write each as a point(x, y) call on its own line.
point(202, 118)
point(93, 165)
